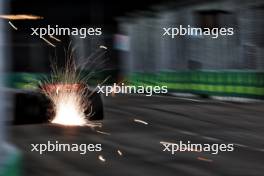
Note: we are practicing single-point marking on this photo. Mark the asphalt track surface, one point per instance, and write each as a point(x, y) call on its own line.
point(169, 119)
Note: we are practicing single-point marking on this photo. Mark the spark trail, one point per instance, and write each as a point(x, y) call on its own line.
point(69, 94)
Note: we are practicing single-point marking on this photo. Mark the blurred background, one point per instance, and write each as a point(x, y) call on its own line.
point(226, 68)
point(138, 54)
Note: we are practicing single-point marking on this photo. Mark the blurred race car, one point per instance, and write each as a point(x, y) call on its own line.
point(32, 106)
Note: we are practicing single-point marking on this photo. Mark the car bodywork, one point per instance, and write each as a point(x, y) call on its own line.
point(32, 106)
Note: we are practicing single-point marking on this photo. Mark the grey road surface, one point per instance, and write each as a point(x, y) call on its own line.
point(132, 147)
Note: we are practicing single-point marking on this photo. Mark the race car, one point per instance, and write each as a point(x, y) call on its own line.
point(33, 106)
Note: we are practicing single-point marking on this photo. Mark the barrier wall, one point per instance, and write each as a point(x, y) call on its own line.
point(249, 84)
point(235, 83)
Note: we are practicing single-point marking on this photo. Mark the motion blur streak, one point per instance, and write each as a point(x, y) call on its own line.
point(21, 17)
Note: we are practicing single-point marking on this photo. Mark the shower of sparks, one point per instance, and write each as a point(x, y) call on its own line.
point(101, 158)
point(119, 152)
point(68, 109)
point(69, 103)
point(102, 132)
point(12, 25)
point(103, 47)
point(140, 121)
point(48, 42)
point(21, 17)
point(51, 36)
point(69, 95)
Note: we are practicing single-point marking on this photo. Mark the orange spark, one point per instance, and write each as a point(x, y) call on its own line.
point(141, 121)
point(21, 17)
point(204, 159)
point(101, 158)
point(102, 132)
point(12, 25)
point(103, 47)
point(119, 152)
point(51, 36)
point(48, 42)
